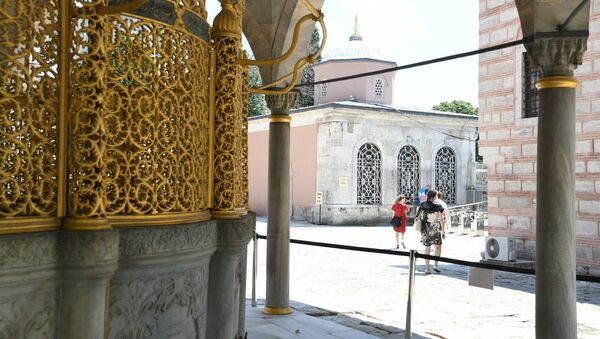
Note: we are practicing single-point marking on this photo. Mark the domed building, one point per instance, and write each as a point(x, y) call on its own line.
point(355, 57)
point(354, 151)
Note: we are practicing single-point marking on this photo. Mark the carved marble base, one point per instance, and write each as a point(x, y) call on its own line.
point(130, 283)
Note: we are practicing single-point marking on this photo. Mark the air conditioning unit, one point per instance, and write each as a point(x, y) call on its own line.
point(500, 248)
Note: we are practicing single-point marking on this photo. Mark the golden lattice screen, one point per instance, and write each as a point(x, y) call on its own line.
point(117, 125)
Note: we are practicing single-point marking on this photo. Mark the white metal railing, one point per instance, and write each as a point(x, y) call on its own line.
point(468, 218)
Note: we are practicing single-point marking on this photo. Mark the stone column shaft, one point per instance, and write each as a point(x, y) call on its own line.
point(227, 278)
point(278, 213)
point(555, 235)
point(89, 260)
point(555, 304)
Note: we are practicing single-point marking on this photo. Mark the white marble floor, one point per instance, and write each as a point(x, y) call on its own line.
point(295, 325)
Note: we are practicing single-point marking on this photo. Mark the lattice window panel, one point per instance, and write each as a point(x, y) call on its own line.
point(368, 175)
point(379, 88)
point(408, 169)
point(323, 90)
point(445, 174)
point(530, 99)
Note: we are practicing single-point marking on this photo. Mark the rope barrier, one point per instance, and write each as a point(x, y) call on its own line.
point(519, 270)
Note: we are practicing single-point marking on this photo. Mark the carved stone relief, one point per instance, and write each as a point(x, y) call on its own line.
point(28, 316)
point(163, 306)
point(25, 251)
point(146, 241)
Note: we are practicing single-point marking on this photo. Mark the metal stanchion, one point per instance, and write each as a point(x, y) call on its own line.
point(254, 267)
point(411, 285)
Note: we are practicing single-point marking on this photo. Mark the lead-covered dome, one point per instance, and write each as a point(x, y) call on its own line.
point(354, 48)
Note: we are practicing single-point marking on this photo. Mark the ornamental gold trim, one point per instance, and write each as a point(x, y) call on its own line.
point(29, 224)
point(557, 82)
point(86, 224)
point(277, 310)
point(159, 219)
point(284, 119)
point(225, 215)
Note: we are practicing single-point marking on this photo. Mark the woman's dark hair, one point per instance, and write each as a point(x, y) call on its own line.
point(431, 195)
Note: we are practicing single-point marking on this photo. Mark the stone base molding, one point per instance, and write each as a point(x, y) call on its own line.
point(150, 282)
point(227, 278)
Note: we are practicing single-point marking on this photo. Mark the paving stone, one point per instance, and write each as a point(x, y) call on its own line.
point(368, 292)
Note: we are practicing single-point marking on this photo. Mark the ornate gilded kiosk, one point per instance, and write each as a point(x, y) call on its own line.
point(123, 173)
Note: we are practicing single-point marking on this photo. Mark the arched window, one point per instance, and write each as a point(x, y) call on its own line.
point(379, 88)
point(408, 174)
point(368, 175)
point(445, 174)
point(323, 90)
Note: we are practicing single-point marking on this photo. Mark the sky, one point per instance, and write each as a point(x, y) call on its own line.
point(409, 31)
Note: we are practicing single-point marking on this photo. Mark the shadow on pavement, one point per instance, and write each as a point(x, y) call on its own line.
point(358, 322)
point(587, 292)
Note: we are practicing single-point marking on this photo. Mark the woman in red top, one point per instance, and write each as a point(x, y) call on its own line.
point(399, 220)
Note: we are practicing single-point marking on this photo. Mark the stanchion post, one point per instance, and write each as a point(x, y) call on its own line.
point(411, 285)
point(254, 267)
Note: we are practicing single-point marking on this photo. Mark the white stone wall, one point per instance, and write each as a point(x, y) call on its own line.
point(343, 130)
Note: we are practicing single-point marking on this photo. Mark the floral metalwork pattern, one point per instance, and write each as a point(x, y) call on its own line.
point(29, 80)
point(445, 174)
point(86, 123)
point(156, 113)
point(408, 174)
point(368, 175)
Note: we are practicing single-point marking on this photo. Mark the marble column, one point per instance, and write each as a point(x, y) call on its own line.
point(556, 315)
point(227, 278)
point(278, 213)
point(88, 261)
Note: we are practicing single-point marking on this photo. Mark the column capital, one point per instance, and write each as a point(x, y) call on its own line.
point(281, 103)
point(558, 55)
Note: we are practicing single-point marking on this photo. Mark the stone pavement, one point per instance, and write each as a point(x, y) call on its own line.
point(368, 292)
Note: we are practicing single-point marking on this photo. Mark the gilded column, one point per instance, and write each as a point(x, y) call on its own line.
point(556, 315)
point(278, 213)
point(86, 191)
point(243, 202)
point(227, 147)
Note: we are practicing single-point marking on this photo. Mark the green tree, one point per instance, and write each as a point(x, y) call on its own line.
point(456, 106)
point(461, 106)
point(307, 93)
point(256, 102)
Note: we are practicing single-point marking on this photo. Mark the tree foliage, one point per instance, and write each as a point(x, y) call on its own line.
point(307, 94)
point(256, 102)
point(456, 106)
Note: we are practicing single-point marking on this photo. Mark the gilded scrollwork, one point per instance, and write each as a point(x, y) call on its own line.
point(134, 110)
point(29, 87)
point(244, 140)
point(226, 163)
point(230, 163)
point(156, 119)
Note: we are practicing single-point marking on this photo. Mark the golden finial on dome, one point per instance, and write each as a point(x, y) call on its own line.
point(355, 36)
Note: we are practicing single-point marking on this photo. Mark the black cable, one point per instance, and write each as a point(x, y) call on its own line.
point(528, 271)
point(422, 63)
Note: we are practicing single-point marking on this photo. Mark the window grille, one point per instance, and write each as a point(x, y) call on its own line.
point(368, 175)
point(531, 102)
point(445, 174)
point(379, 88)
point(323, 90)
point(408, 174)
